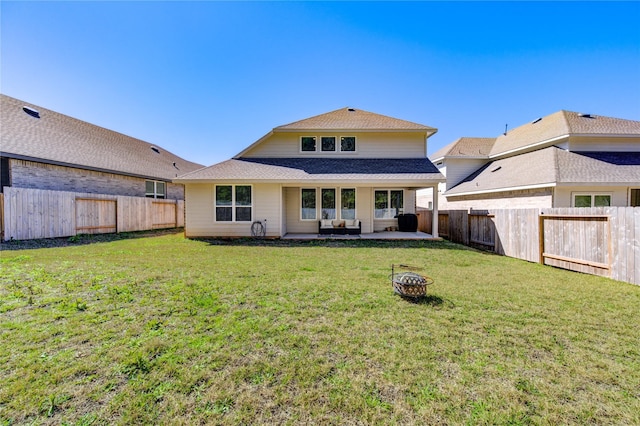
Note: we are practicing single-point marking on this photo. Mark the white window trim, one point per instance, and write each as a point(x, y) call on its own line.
point(339, 142)
point(233, 204)
point(155, 189)
point(335, 143)
point(319, 150)
point(355, 209)
point(592, 195)
point(315, 218)
point(300, 144)
point(336, 202)
point(401, 210)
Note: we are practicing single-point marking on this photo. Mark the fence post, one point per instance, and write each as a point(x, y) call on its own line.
point(541, 237)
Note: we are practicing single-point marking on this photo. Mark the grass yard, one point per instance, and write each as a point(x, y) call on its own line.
point(163, 330)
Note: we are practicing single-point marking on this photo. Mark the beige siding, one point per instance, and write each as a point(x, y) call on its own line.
point(368, 145)
point(533, 198)
point(458, 169)
point(200, 212)
point(619, 195)
point(266, 207)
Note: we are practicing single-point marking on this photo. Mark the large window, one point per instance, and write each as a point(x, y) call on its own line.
point(328, 203)
point(233, 203)
point(155, 189)
point(347, 203)
point(308, 211)
point(591, 200)
point(388, 203)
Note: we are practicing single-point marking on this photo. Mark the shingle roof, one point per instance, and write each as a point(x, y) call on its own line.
point(466, 147)
point(562, 123)
point(553, 165)
point(318, 169)
point(353, 119)
point(59, 139)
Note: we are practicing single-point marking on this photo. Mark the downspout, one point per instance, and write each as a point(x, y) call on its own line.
point(434, 219)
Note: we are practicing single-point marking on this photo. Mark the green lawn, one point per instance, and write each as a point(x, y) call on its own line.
point(164, 330)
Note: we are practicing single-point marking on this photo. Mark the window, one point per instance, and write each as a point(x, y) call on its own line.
point(155, 189)
point(388, 203)
point(348, 143)
point(591, 200)
point(233, 203)
point(308, 143)
point(5, 176)
point(328, 143)
point(308, 197)
point(347, 203)
point(328, 203)
point(634, 198)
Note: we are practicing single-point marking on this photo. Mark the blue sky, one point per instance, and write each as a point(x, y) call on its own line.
point(206, 79)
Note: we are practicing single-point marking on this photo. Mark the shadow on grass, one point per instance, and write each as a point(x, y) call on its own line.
point(261, 242)
point(83, 239)
point(429, 300)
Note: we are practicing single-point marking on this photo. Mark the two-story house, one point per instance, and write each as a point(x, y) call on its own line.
point(347, 165)
point(566, 159)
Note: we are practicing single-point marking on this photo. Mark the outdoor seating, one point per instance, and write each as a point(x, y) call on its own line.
point(339, 227)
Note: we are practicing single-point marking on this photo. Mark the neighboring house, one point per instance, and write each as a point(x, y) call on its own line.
point(43, 149)
point(565, 159)
point(343, 165)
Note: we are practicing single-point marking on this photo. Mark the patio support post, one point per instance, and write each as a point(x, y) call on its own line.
point(434, 219)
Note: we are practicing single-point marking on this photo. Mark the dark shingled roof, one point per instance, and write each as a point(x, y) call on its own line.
point(37, 134)
point(315, 166)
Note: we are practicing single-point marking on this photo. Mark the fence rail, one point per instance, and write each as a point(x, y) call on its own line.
point(599, 241)
point(34, 213)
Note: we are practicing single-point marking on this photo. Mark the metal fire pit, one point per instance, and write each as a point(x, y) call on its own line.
point(408, 283)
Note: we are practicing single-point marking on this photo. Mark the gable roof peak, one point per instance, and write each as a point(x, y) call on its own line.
point(469, 147)
point(350, 118)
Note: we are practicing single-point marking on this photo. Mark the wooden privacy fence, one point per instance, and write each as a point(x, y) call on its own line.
point(600, 241)
point(34, 213)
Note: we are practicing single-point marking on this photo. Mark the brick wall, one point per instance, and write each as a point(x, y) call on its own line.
point(29, 174)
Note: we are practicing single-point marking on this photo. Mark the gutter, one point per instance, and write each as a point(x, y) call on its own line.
point(513, 188)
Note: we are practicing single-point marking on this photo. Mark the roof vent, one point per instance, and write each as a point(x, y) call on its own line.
point(586, 116)
point(351, 109)
point(496, 169)
point(156, 150)
point(32, 112)
point(535, 121)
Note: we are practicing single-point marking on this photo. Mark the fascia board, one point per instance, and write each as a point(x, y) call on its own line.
point(527, 148)
point(490, 191)
point(340, 182)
